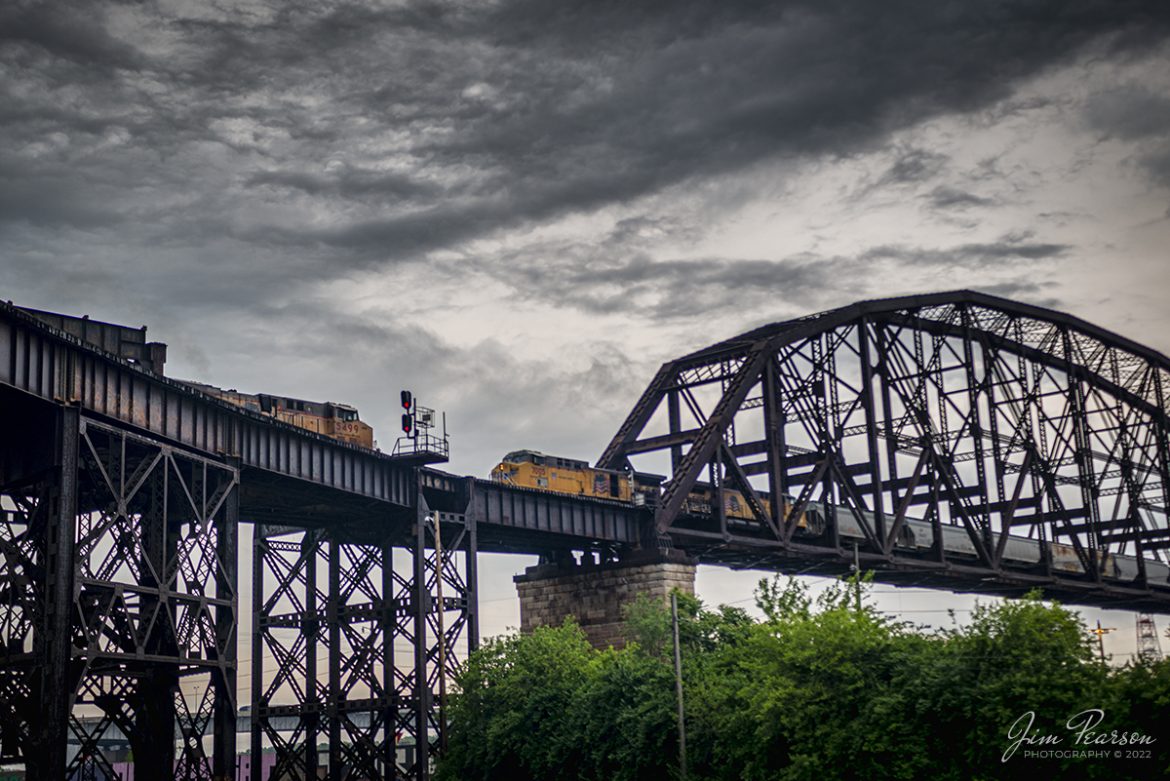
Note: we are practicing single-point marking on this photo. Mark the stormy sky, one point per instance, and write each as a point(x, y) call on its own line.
point(520, 209)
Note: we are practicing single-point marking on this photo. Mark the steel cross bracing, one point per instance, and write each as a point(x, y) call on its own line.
point(346, 641)
point(118, 601)
point(958, 439)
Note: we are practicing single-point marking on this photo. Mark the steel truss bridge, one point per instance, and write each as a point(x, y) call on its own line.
point(956, 440)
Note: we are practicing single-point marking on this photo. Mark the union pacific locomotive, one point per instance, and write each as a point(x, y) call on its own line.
point(330, 418)
point(533, 469)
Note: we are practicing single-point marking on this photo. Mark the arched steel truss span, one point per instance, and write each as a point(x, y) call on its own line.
point(958, 439)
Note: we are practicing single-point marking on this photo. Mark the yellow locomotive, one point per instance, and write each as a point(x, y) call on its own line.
point(329, 418)
point(533, 469)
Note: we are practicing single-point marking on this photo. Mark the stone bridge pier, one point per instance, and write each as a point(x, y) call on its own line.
point(595, 593)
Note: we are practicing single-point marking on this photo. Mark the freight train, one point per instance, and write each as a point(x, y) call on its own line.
point(330, 418)
point(532, 469)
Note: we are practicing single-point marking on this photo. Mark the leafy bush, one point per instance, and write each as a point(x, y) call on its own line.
point(820, 689)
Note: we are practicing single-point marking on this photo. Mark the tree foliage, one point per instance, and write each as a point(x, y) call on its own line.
point(821, 688)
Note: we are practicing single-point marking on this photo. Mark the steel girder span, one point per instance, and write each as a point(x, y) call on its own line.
point(957, 440)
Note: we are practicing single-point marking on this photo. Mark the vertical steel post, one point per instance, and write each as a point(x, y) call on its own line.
point(311, 630)
point(154, 718)
point(54, 644)
point(422, 606)
point(389, 620)
point(333, 617)
point(472, 570)
point(869, 405)
point(259, 547)
point(224, 678)
point(442, 630)
point(774, 441)
point(675, 426)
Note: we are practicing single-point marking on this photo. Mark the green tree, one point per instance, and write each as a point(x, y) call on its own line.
point(820, 689)
point(510, 719)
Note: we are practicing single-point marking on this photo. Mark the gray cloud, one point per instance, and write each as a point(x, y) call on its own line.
point(1157, 165)
point(380, 134)
point(57, 29)
point(1131, 112)
point(221, 167)
point(1009, 249)
point(1138, 114)
point(617, 274)
point(944, 197)
point(913, 165)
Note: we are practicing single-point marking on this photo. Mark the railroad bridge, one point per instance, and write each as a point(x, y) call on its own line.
point(956, 440)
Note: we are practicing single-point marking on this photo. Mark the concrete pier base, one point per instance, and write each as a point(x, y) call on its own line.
point(595, 593)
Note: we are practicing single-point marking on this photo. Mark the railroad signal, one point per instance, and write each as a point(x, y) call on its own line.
point(409, 424)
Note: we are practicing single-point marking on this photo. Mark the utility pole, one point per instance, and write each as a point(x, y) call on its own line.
point(856, 578)
point(678, 686)
point(1101, 631)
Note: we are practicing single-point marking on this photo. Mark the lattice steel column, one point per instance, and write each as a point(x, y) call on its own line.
point(346, 643)
point(136, 603)
point(362, 703)
point(286, 629)
point(455, 619)
point(22, 594)
point(36, 584)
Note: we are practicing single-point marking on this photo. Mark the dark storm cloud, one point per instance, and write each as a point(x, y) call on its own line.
point(1138, 114)
point(617, 274)
point(1011, 248)
point(1157, 165)
point(1038, 293)
point(350, 183)
point(1130, 113)
point(943, 197)
point(913, 165)
point(66, 31)
point(375, 134)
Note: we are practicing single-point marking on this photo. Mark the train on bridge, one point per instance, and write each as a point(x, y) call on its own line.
point(533, 469)
point(539, 471)
point(329, 418)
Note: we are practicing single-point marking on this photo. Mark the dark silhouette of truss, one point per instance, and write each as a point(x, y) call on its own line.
point(956, 440)
point(346, 641)
point(934, 413)
point(118, 602)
